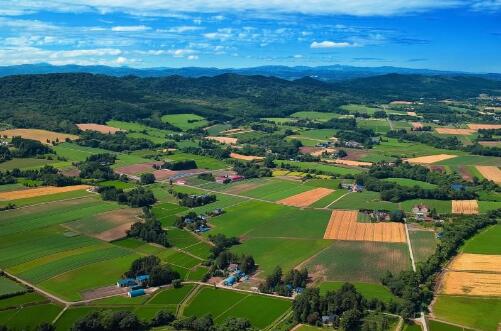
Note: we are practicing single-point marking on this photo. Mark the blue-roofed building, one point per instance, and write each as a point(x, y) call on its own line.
point(141, 279)
point(230, 281)
point(136, 293)
point(126, 282)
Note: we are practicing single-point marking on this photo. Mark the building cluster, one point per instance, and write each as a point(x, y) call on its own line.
point(229, 179)
point(136, 285)
point(235, 275)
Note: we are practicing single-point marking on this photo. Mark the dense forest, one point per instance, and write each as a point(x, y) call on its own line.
point(57, 101)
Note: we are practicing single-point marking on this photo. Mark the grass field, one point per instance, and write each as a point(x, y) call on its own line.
point(423, 244)
point(171, 296)
point(24, 318)
point(314, 115)
point(51, 198)
point(9, 287)
point(486, 242)
point(478, 313)
point(326, 168)
point(29, 298)
point(411, 183)
point(470, 160)
point(379, 126)
point(361, 200)
point(353, 108)
point(368, 290)
point(27, 163)
point(439, 326)
point(185, 121)
point(442, 206)
point(359, 261)
point(261, 311)
point(137, 130)
point(202, 161)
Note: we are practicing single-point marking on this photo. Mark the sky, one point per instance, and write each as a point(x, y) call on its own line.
point(435, 34)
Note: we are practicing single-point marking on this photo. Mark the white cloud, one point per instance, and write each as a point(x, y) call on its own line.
point(121, 60)
point(192, 57)
point(331, 44)
point(181, 52)
point(182, 29)
point(168, 7)
point(130, 28)
point(487, 5)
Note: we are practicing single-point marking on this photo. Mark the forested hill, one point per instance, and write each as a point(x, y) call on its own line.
point(55, 101)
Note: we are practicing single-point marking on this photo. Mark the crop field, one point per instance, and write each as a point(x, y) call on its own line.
point(358, 261)
point(42, 136)
point(185, 121)
point(171, 296)
point(343, 225)
point(481, 313)
point(411, 183)
point(223, 140)
point(353, 108)
point(40, 191)
point(10, 287)
point(490, 173)
point(368, 290)
point(484, 126)
point(25, 163)
point(486, 242)
point(465, 207)
point(307, 198)
point(313, 115)
point(24, 318)
point(430, 159)
point(276, 189)
point(51, 198)
point(137, 130)
point(106, 129)
point(361, 200)
point(470, 160)
point(423, 244)
point(261, 311)
point(204, 162)
point(327, 168)
point(350, 163)
point(166, 212)
point(329, 199)
point(453, 131)
point(382, 126)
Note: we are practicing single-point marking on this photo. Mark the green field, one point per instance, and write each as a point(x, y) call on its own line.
point(185, 121)
point(171, 296)
point(439, 326)
point(137, 130)
point(361, 200)
point(10, 287)
point(368, 290)
point(475, 312)
point(486, 242)
point(411, 183)
point(22, 318)
point(379, 126)
point(204, 162)
point(326, 168)
point(358, 261)
point(261, 311)
point(352, 108)
point(423, 244)
point(442, 206)
point(50, 198)
point(315, 115)
point(26, 163)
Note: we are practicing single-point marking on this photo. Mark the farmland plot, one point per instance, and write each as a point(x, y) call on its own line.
point(40, 191)
point(465, 207)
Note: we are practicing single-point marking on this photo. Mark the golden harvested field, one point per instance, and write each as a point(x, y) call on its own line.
point(351, 163)
point(245, 157)
point(411, 113)
point(40, 135)
point(491, 173)
point(224, 140)
point(459, 132)
point(471, 283)
point(307, 198)
point(466, 207)
point(484, 126)
point(429, 159)
point(39, 191)
point(417, 125)
point(476, 262)
point(343, 225)
point(97, 127)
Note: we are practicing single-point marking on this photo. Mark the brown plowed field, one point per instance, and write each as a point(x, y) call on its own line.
point(98, 127)
point(343, 225)
point(459, 132)
point(40, 135)
point(115, 233)
point(245, 157)
point(417, 125)
point(351, 163)
point(39, 191)
point(491, 173)
point(224, 140)
point(484, 126)
point(139, 168)
point(429, 159)
point(307, 198)
point(466, 207)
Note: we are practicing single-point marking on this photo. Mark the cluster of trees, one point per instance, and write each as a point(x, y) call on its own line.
point(345, 308)
point(180, 165)
point(47, 175)
point(245, 263)
point(416, 288)
point(193, 200)
point(98, 166)
point(221, 243)
point(110, 320)
point(147, 178)
point(150, 230)
point(206, 323)
point(137, 197)
point(478, 149)
point(28, 147)
point(360, 135)
point(282, 284)
point(273, 143)
point(251, 169)
point(151, 265)
point(207, 176)
point(209, 148)
point(117, 142)
point(191, 221)
point(426, 138)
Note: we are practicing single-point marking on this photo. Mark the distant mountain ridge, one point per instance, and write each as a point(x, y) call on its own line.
point(324, 73)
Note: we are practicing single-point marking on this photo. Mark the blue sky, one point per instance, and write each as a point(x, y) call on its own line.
point(435, 34)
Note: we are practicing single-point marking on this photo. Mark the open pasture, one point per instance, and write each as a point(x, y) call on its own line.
point(326, 168)
point(327, 201)
point(378, 125)
point(138, 130)
point(314, 115)
point(276, 189)
point(354, 108)
point(185, 121)
point(26, 163)
point(51, 198)
point(486, 242)
point(358, 261)
point(411, 183)
point(43, 136)
point(491, 173)
point(368, 290)
point(10, 287)
point(106, 129)
point(166, 212)
point(307, 198)
point(465, 207)
point(204, 162)
point(40, 191)
point(25, 317)
point(470, 160)
point(343, 225)
point(363, 200)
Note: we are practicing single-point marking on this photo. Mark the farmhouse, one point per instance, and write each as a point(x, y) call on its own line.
point(421, 212)
point(229, 179)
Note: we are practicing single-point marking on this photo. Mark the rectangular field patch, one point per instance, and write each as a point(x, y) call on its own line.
point(40, 191)
point(307, 198)
point(484, 126)
point(98, 127)
point(465, 207)
point(459, 132)
point(429, 159)
point(43, 136)
point(224, 140)
point(471, 283)
point(491, 173)
point(343, 225)
point(477, 262)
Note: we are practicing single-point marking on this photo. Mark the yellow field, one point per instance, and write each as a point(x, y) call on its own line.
point(343, 225)
point(40, 135)
point(351, 163)
point(245, 157)
point(97, 127)
point(459, 132)
point(307, 198)
point(39, 191)
point(224, 140)
point(491, 173)
point(466, 207)
point(430, 158)
point(484, 126)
